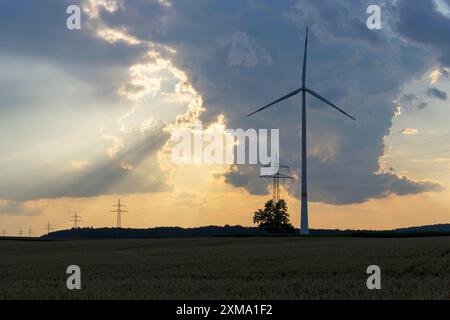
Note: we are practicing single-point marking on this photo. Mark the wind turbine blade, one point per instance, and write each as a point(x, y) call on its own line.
point(304, 58)
point(318, 96)
point(293, 93)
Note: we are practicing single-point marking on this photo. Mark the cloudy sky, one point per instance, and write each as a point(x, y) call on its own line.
point(86, 116)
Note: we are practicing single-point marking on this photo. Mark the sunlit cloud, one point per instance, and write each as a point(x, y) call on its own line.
point(127, 166)
point(437, 73)
point(117, 144)
point(80, 164)
point(114, 35)
point(409, 131)
point(146, 77)
point(165, 3)
point(93, 7)
point(149, 78)
point(144, 81)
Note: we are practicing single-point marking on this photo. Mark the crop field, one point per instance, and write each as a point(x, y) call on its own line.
point(227, 268)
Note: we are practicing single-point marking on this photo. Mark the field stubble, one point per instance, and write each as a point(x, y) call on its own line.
point(227, 268)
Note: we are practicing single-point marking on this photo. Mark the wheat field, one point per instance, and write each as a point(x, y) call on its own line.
point(227, 268)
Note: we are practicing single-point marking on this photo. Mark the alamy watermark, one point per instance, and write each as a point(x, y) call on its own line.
point(74, 280)
point(73, 21)
point(229, 146)
point(374, 280)
point(373, 22)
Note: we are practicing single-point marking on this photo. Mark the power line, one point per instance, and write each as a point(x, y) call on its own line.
point(422, 140)
point(401, 157)
point(374, 174)
point(428, 170)
point(356, 188)
point(349, 188)
point(394, 157)
point(418, 154)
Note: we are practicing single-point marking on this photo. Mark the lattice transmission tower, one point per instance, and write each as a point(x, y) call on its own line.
point(48, 227)
point(277, 179)
point(76, 219)
point(119, 210)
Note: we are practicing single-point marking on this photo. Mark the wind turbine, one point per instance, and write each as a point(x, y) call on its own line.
point(304, 229)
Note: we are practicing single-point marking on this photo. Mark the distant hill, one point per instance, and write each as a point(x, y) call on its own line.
point(435, 228)
point(158, 232)
point(217, 231)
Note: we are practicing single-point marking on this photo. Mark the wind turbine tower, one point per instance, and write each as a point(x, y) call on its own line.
point(304, 227)
point(119, 212)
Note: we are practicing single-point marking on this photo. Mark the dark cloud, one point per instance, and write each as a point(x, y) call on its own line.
point(245, 52)
point(243, 176)
point(425, 25)
point(436, 93)
point(410, 102)
point(37, 32)
point(337, 187)
point(359, 69)
point(404, 186)
point(409, 98)
point(341, 188)
point(340, 20)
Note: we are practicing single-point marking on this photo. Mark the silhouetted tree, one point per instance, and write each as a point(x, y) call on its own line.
point(274, 217)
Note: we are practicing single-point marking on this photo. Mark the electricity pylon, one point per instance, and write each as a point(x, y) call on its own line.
point(276, 178)
point(20, 232)
point(76, 219)
point(48, 227)
point(119, 212)
point(30, 232)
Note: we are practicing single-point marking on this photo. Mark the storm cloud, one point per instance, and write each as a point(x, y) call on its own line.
point(240, 55)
